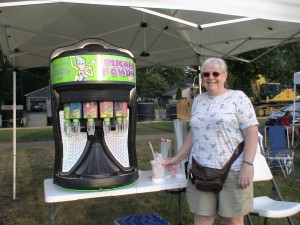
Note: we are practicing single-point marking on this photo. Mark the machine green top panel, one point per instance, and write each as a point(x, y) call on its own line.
point(92, 67)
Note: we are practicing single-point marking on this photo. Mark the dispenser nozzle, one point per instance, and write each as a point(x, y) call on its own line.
point(76, 126)
point(118, 124)
point(106, 125)
point(91, 127)
point(67, 127)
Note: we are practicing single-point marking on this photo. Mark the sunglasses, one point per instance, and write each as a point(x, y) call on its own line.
point(207, 74)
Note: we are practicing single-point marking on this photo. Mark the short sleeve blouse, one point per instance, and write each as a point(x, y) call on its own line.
point(216, 124)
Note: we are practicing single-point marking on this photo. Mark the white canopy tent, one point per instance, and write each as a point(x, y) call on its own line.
point(165, 32)
point(168, 32)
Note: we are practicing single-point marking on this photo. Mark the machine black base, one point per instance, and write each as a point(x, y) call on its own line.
point(87, 183)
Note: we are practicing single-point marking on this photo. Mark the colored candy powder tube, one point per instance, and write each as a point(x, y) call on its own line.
point(90, 110)
point(67, 116)
point(106, 109)
point(118, 107)
point(76, 114)
point(67, 112)
point(76, 110)
point(124, 111)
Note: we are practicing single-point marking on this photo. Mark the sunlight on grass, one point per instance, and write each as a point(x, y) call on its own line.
point(34, 164)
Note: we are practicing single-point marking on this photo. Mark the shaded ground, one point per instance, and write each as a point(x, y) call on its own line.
point(51, 143)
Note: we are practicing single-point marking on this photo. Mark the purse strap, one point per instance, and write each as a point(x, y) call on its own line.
point(237, 152)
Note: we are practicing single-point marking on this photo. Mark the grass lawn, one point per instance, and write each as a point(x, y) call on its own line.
point(36, 164)
point(46, 133)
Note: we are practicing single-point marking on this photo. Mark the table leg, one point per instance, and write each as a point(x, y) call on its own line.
point(53, 210)
point(178, 192)
point(180, 208)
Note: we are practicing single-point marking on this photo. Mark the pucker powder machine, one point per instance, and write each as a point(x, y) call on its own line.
point(94, 115)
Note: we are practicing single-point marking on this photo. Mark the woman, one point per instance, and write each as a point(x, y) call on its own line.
point(220, 119)
point(287, 121)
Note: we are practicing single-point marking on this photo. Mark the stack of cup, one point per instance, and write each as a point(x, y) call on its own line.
point(165, 146)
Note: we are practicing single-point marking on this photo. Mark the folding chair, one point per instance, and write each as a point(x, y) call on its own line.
point(264, 206)
point(278, 152)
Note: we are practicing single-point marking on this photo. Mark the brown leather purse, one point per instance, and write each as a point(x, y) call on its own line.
point(210, 179)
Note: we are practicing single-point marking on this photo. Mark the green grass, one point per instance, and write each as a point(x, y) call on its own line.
point(36, 164)
point(155, 128)
point(27, 134)
point(46, 133)
point(262, 121)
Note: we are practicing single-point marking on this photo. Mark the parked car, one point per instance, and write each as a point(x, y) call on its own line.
point(36, 107)
point(273, 119)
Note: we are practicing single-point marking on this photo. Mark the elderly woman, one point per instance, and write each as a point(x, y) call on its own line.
point(220, 119)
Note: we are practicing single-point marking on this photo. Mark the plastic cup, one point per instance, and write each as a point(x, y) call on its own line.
point(170, 172)
point(158, 171)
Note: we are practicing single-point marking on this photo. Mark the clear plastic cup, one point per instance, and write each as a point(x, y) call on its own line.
point(170, 172)
point(158, 171)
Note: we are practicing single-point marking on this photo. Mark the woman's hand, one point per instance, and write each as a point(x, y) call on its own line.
point(170, 161)
point(182, 153)
point(247, 171)
point(246, 175)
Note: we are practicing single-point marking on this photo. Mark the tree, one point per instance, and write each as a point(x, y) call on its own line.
point(5, 81)
point(178, 94)
point(151, 85)
point(26, 81)
point(154, 81)
point(278, 65)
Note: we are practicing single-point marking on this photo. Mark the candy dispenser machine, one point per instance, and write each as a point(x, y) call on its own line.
point(94, 115)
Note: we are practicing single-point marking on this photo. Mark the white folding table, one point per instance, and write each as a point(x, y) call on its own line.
point(55, 195)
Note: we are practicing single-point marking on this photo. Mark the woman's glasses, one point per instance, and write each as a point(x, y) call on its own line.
point(207, 74)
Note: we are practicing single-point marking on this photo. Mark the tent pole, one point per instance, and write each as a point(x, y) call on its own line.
point(200, 80)
point(14, 134)
point(294, 102)
point(199, 74)
point(296, 81)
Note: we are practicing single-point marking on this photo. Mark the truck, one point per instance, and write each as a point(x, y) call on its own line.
point(270, 97)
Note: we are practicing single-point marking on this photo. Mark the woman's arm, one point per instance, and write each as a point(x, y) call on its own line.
point(251, 139)
point(182, 153)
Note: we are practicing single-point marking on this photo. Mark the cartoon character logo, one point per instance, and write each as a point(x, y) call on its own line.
point(84, 70)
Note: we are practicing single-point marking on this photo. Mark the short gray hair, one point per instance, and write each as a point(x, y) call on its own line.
point(214, 62)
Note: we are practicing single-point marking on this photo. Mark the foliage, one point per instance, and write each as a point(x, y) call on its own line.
point(178, 94)
point(155, 81)
point(5, 80)
point(26, 81)
point(278, 65)
point(151, 85)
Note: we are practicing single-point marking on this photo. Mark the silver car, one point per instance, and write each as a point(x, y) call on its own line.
point(273, 119)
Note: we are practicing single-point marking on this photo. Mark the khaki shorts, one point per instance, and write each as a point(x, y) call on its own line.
point(232, 201)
